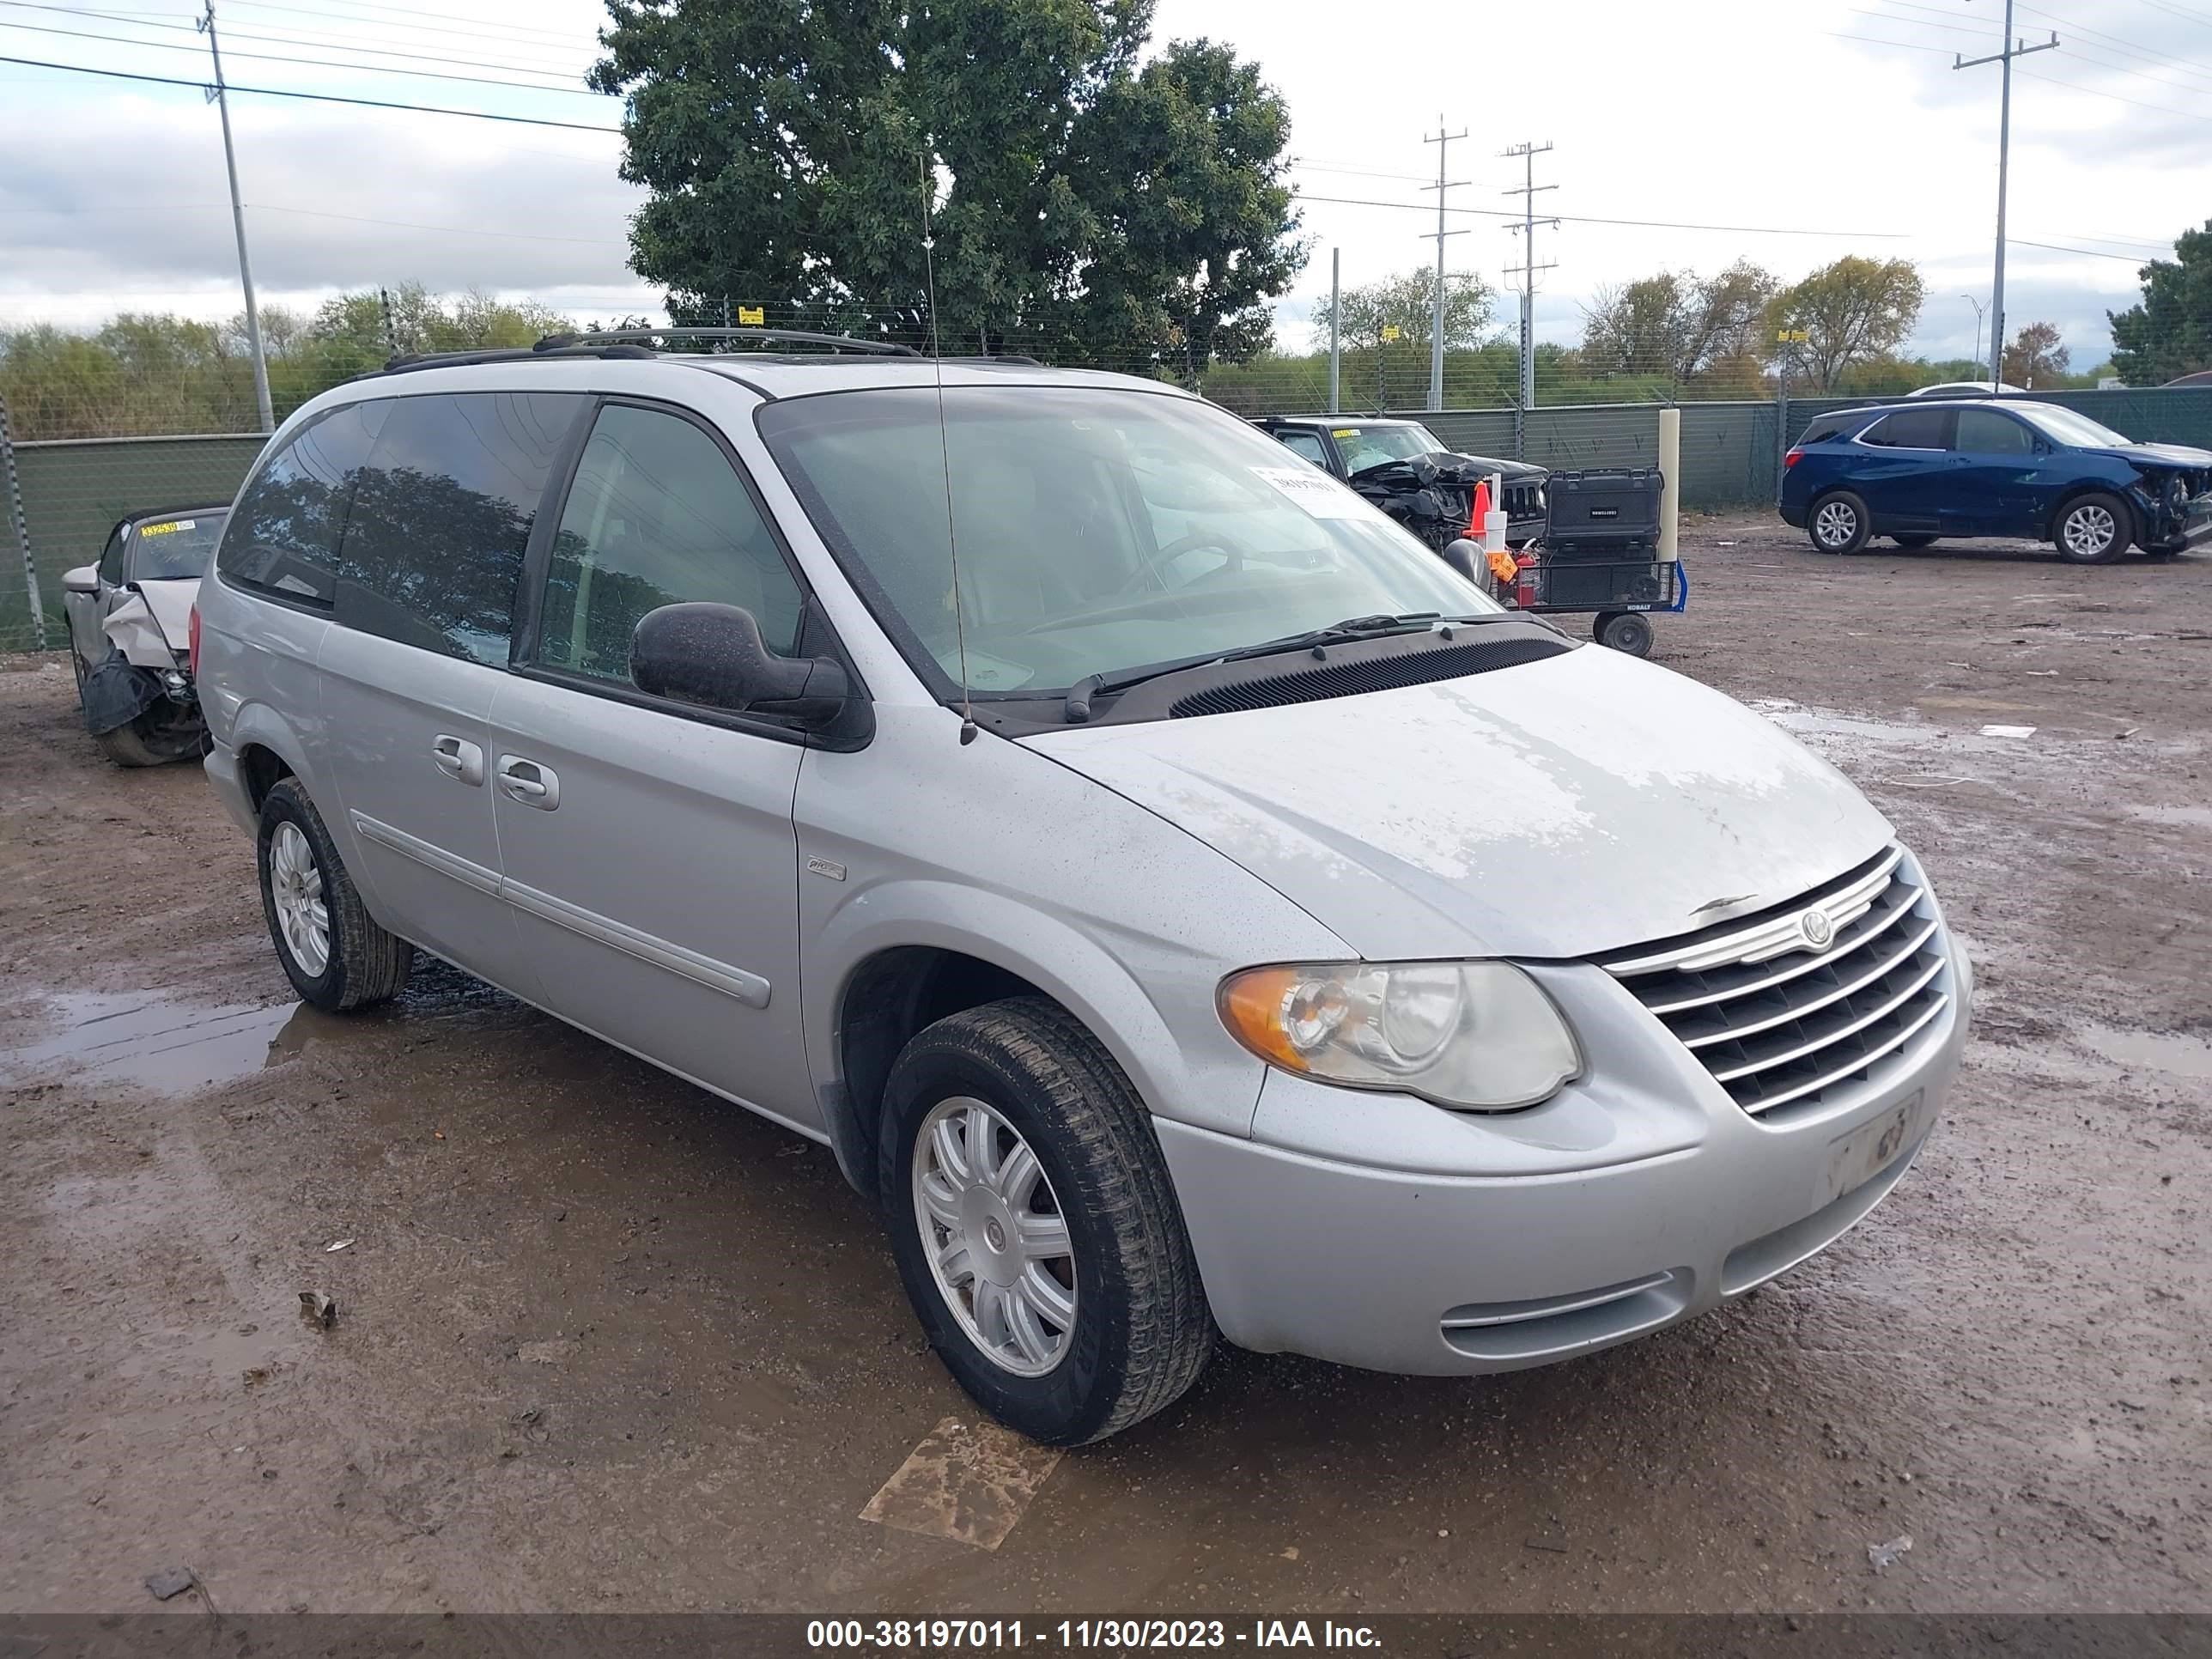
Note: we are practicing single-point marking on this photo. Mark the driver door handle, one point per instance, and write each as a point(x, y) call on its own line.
point(525, 781)
point(458, 759)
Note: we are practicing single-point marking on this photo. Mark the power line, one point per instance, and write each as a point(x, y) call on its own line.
point(2095, 92)
point(2092, 252)
point(440, 25)
point(449, 230)
point(323, 18)
point(1586, 219)
point(315, 97)
point(565, 72)
point(320, 63)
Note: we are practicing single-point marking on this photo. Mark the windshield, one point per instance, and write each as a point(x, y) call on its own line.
point(2079, 430)
point(1395, 441)
point(1099, 530)
point(169, 549)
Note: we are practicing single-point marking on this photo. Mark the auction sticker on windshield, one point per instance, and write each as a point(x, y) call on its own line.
point(1321, 496)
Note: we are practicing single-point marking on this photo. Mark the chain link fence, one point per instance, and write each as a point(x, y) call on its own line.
point(59, 499)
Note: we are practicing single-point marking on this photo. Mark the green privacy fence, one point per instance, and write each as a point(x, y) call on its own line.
point(1731, 454)
point(71, 493)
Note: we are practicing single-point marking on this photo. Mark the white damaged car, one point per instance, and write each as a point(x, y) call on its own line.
point(130, 619)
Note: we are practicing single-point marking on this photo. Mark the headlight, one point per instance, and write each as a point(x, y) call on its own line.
point(1479, 1035)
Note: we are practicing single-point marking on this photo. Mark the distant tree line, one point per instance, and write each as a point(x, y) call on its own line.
point(144, 373)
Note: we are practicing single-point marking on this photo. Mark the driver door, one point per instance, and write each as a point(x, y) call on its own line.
point(646, 847)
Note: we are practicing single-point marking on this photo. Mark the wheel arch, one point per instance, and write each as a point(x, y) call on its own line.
point(930, 950)
point(2081, 486)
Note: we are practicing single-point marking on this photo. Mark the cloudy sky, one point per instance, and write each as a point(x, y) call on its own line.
point(1790, 133)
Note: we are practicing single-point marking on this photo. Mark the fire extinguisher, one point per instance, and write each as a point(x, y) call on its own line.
point(1524, 589)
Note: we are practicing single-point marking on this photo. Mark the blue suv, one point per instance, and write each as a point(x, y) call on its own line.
point(1993, 467)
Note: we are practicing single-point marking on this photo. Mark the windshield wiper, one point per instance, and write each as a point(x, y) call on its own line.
point(1077, 708)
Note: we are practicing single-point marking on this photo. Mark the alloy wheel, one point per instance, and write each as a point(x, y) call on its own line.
point(996, 1240)
point(1834, 524)
point(295, 883)
point(2089, 530)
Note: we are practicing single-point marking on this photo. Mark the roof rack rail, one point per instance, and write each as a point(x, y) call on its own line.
point(779, 335)
point(414, 360)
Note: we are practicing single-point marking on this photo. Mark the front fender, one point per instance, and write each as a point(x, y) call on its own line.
point(1182, 1064)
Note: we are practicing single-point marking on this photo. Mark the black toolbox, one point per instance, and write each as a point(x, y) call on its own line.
point(1603, 513)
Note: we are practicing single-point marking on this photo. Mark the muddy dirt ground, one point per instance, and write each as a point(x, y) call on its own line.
point(606, 1344)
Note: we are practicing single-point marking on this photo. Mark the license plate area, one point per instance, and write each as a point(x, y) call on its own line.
point(1858, 1156)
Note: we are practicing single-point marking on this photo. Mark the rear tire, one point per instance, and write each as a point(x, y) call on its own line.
point(1915, 540)
point(1838, 523)
point(335, 955)
point(1625, 631)
point(1013, 1146)
point(2093, 529)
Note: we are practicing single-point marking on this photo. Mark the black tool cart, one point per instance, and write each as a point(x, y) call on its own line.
point(1600, 553)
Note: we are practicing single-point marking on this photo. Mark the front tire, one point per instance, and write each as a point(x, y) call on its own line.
point(335, 955)
point(1839, 523)
point(2093, 529)
point(1915, 541)
point(1035, 1225)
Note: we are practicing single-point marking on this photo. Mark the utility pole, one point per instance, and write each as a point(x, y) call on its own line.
point(1335, 323)
point(1977, 305)
point(1527, 270)
point(2014, 48)
point(1443, 142)
point(238, 223)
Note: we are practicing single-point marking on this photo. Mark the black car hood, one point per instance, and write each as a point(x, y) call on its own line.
point(2181, 455)
point(1448, 467)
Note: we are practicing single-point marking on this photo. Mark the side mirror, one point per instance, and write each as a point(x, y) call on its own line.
point(1468, 559)
point(712, 655)
point(85, 579)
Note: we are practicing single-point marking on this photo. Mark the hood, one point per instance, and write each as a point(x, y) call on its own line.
point(2180, 455)
point(1451, 468)
point(1561, 808)
point(132, 630)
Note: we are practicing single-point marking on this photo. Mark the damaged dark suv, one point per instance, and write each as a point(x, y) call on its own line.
point(1405, 469)
point(2006, 467)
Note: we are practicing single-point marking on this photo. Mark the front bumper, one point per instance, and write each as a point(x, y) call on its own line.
point(2170, 532)
point(1377, 1231)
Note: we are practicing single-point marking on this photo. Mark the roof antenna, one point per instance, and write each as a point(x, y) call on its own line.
point(944, 450)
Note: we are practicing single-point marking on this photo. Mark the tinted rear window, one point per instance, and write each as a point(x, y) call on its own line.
point(1910, 428)
point(442, 513)
point(284, 533)
point(1826, 428)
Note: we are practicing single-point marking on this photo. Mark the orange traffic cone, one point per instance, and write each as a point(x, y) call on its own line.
point(1481, 512)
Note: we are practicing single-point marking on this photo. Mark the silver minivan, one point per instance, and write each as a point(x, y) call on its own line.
point(1181, 901)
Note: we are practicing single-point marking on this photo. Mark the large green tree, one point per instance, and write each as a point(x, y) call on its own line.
point(1688, 327)
point(2169, 332)
point(1856, 310)
point(1080, 202)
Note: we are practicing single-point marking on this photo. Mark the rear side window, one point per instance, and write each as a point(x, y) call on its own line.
point(283, 537)
point(441, 516)
point(1826, 428)
point(1910, 428)
point(657, 516)
point(1985, 432)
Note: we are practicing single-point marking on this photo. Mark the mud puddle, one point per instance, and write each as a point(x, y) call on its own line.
point(158, 1041)
point(2175, 1052)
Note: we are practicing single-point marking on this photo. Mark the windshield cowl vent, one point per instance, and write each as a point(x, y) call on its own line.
point(1351, 679)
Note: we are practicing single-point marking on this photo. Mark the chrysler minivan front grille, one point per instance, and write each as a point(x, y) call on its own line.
point(1781, 1019)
